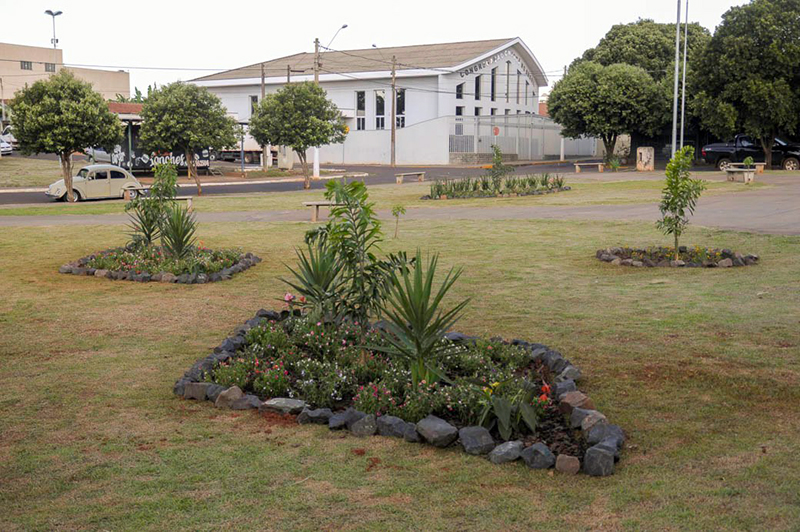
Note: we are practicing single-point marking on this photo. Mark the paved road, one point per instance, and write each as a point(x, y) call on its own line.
point(771, 210)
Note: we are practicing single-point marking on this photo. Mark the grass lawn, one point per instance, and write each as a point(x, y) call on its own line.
point(700, 367)
point(385, 196)
point(19, 171)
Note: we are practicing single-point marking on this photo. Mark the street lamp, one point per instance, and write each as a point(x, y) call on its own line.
point(53, 14)
point(335, 34)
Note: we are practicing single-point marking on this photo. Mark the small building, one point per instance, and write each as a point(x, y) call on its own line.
point(453, 101)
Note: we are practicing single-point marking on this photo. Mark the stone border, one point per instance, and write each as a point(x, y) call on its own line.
point(532, 193)
point(604, 440)
point(78, 267)
point(622, 257)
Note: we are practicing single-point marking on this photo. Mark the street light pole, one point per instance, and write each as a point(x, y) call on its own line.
point(683, 82)
point(53, 14)
point(394, 108)
point(316, 80)
point(675, 91)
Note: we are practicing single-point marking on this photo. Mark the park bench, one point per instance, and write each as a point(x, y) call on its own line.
point(759, 167)
point(143, 190)
point(745, 175)
point(317, 205)
point(600, 166)
point(420, 176)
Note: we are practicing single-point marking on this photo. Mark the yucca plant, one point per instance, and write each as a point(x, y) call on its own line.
point(145, 224)
point(318, 278)
point(415, 321)
point(177, 233)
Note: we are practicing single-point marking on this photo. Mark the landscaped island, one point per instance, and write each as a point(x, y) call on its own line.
point(496, 186)
point(692, 257)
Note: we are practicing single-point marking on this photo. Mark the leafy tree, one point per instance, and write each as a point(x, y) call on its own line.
point(606, 102)
point(300, 116)
point(679, 196)
point(180, 117)
point(749, 74)
point(63, 115)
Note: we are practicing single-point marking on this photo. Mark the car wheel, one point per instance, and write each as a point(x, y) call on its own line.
point(133, 194)
point(723, 164)
point(790, 163)
point(76, 197)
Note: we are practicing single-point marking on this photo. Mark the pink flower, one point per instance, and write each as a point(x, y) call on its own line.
point(288, 297)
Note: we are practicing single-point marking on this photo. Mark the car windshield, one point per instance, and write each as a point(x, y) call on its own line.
point(83, 172)
point(780, 142)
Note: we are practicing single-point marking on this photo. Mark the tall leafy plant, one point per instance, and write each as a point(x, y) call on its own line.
point(318, 279)
point(416, 321)
point(148, 213)
point(177, 235)
point(679, 196)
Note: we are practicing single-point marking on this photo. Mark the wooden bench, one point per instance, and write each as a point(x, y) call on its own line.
point(600, 166)
point(420, 176)
point(759, 167)
point(317, 205)
point(142, 190)
point(747, 174)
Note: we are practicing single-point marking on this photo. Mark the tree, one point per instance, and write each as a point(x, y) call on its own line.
point(63, 115)
point(299, 116)
point(606, 102)
point(679, 196)
point(180, 117)
point(749, 74)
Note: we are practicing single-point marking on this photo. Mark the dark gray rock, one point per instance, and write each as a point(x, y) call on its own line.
point(598, 462)
point(213, 391)
point(605, 431)
point(366, 426)
point(476, 440)
point(180, 386)
point(246, 403)
point(506, 452)
point(214, 277)
point(538, 456)
point(167, 277)
point(437, 431)
point(410, 433)
point(610, 446)
point(577, 415)
point(560, 388)
point(65, 269)
point(606, 257)
point(226, 345)
point(284, 405)
point(320, 416)
point(344, 419)
point(592, 419)
point(391, 426)
point(570, 372)
point(459, 338)
point(196, 390)
point(228, 397)
point(538, 353)
point(183, 278)
point(202, 278)
point(269, 314)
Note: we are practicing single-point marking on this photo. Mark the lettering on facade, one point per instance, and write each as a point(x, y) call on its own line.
point(477, 67)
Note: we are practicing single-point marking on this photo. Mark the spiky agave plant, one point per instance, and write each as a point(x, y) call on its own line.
point(416, 322)
point(318, 278)
point(177, 232)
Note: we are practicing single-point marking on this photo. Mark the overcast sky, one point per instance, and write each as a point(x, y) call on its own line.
point(228, 34)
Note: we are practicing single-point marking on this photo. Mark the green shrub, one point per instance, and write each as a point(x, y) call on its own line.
point(272, 380)
point(177, 233)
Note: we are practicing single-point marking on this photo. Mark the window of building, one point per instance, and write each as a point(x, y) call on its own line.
point(460, 91)
point(478, 111)
point(253, 104)
point(459, 120)
point(400, 109)
point(478, 87)
point(508, 80)
point(493, 84)
point(26, 65)
point(493, 111)
point(518, 79)
point(49, 67)
point(527, 86)
point(508, 111)
point(459, 110)
point(361, 110)
point(380, 109)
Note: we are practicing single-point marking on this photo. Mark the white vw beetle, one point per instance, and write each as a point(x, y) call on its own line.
point(97, 181)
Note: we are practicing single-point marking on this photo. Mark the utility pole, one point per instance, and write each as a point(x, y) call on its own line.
point(683, 83)
point(675, 90)
point(288, 74)
point(264, 150)
point(316, 81)
point(394, 107)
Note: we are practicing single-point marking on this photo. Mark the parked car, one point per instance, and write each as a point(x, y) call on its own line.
point(8, 136)
point(97, 181)
point(5, 148)
point(721, 154)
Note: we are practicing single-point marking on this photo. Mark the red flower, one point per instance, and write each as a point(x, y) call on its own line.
point(546, 389)
point(543, 398)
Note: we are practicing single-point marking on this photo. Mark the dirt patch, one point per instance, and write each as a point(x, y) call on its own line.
point(279, 420)
point(358, 452)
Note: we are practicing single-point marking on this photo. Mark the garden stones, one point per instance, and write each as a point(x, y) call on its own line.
point(410, 433)
point(366, 426)
point(227, 398)
point(598, 462)
point(506, 452)
point(344, 419)
point(664, 257)
point(320, 416)
point(284, 405)
point(196, 390)
point(572, 400)
point(568, 464)
point(476, 440)
point(391, 426)
point(246, 402)
point(437, 431)
point(213, 391)
point(604, 432)
point(538, 456)
point(590, 420)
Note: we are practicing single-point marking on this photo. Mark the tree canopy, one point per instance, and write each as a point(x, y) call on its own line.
point(63, 115)
point(749, 74)
point(299, 116)
point(606, 101)
point(185, 118)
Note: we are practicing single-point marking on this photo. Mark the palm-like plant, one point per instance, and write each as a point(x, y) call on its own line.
point(177, 233)
point(145, 224)
point(318, 278)
point(415, 322)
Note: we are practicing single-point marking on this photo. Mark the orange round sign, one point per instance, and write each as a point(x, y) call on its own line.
point(496, 130)
point(347, 129)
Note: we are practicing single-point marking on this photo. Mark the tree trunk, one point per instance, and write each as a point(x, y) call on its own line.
point(677, 248)
point(766, 144)
point(191, 169)
point(396, 226)
point(610, 143)
point(304, 163)
point(66, 173)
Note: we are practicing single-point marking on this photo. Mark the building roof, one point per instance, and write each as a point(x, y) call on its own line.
point(125, 108)
point(422, 56)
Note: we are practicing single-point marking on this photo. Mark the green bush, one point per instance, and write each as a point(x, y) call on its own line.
point(177, 233)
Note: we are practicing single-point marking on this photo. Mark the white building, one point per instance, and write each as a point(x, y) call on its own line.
point(453, 102)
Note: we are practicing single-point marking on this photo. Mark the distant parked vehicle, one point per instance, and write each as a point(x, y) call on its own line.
point(721, 154)
point(5, 148)
point(97, 181)
point(8, 136)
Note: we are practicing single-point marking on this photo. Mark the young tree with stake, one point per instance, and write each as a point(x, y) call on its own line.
point(63, 115)
point(679, 196)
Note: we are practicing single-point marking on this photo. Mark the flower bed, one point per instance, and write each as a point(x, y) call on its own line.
point(508, 400)
point(496, 186)
point(692, 257)
point(150, 263)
